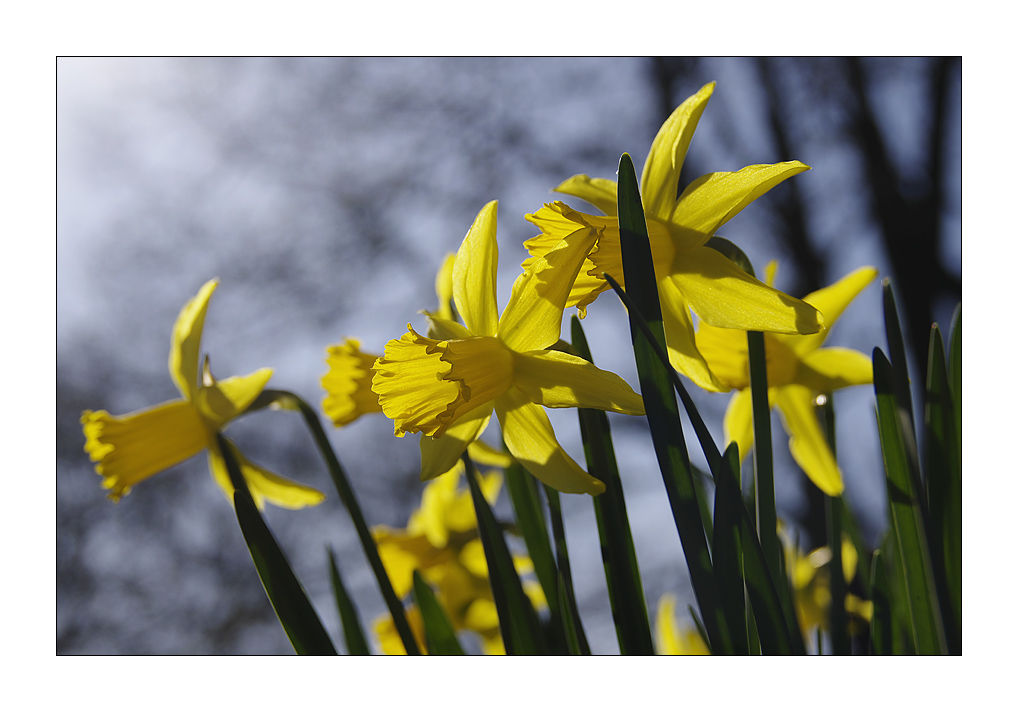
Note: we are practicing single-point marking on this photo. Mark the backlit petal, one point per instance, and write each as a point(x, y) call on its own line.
point(439, 455)
point(534, 315)
point(832, 301)
point(599, 192)
point(129, 449)
point(444, 287)
point(474, 274)
point(739, 422)
point(560, 380)
point(263, 484)
point(723, 295)
point(348, 383)
point(530, 438)
point(659, 181)
point(713, 199)
point(680, 341)
point(807, 441)
point(831, 368)
point(222, 401)
point(186, 340)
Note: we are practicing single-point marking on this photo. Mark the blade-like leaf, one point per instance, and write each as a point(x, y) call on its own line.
point(439, 634)
point(573, 629)
point(622, 575)
point(661, 407)
point(523, 493)
point(764, 473)
point(881, 631)
point(906, 517)
point(287, 596)
point(290, 401)
point(521, 633)
point(769, 590)
point(353, 633)
point(944, 492)
point(727, 552)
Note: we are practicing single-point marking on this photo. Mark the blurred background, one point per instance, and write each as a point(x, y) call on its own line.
point(324, 193)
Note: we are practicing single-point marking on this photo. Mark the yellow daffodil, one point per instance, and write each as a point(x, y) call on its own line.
point(348, 383)
point(441, 542)
point(811, 580)
point(129, 449)
point(689, 274)
point(446, 386)
point(799, 371)
point(672, 640)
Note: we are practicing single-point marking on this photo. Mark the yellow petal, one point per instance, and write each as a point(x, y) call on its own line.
point(222, 401)
point(401, 553)
point(348, 383)
point(832, 302)
point(484, 454)
point(681, 341)
point(739, 422)
point(534, 315)
point(807, 442)
point(474, 274)
point(659, 181)
point(599, 192)
point(441, 454)
point(530, 438)
point(825, 370)
point(713, 199)
point(444, 287)
point(441, 328)
point(263, 484)
point(187, 339)
point(556, 221)
point(129, 449)
point(724, 296)
point(389, 638)
point(560, 380)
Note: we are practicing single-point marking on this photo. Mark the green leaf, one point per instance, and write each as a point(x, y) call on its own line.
point(899, 362)
point(764, 473)
point(905, 503)
point(771, 594)
point(727, 552)
point(440, 637)
point(290, 401)
point(526, 501)
point(955, 370)
point(521, 633)
point(287, 596)
point(576, 642)
point(881, 630)
point(353, 633)
point(661, 407)
point(571, 620)
point(622, 574)
point(944, 492)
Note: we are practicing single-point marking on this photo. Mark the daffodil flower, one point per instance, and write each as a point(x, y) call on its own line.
point(799, 371)
point(689, 274)
point(441, 542)
point(446, 386)
point(811, 580)
point(128, 449)
point(673, 640)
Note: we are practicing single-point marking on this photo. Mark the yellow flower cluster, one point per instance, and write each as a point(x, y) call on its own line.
point(474, 359)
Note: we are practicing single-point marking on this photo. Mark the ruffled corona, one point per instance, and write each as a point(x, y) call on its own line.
point(425, 385)
point(128, 449)
point(348, 383)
